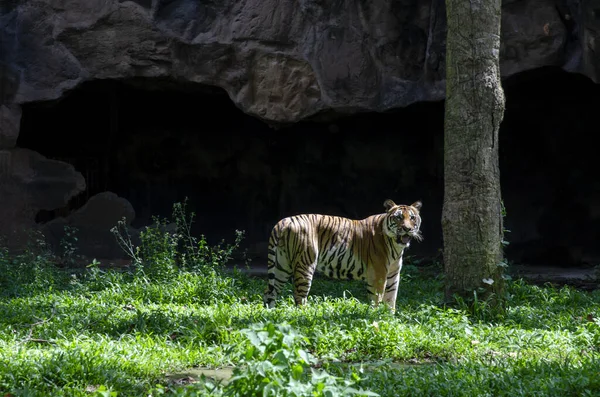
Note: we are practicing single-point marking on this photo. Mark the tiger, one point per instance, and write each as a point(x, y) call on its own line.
point(369, 249)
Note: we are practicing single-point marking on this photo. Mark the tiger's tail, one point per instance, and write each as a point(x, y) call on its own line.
point(278, 265)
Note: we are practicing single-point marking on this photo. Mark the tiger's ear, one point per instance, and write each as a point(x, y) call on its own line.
point(417, 205)
point(388, 204)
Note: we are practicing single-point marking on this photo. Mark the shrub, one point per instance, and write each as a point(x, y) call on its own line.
point(32, 270)
point(167, 247)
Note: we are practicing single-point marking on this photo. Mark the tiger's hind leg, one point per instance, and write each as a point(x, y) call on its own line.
point(277, 278)
point(304, 271)
point(279, 272)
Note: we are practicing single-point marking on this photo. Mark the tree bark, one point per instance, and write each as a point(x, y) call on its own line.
point(471, 216)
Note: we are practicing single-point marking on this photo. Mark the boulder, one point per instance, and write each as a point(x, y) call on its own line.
point(91, 225)
point(29, 182)
point(10, 119)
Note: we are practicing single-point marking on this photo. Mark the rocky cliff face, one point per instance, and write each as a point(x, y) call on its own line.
point(278, 60)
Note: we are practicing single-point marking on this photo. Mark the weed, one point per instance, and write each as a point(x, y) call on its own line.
point(274, 363)
point(168, 246)
point(29, 271)
point(68, 246)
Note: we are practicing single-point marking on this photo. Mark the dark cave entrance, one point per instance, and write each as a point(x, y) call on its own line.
point(549, 168)
point(157, 142)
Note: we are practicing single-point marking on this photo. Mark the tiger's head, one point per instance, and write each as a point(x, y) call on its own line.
point(403, 222)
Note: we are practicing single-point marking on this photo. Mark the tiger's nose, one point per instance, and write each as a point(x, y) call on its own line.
point(406, 228)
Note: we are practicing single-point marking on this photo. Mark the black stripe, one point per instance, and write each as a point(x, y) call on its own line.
point(391, 287)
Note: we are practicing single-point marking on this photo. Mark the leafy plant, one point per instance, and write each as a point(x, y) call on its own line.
point(68, 246)
point(275, 364)
point(504, 242)
point(168, 246)
point(30, 270)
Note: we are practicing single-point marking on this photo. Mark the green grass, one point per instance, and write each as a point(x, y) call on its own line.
point(122, 333)
point(127, 332)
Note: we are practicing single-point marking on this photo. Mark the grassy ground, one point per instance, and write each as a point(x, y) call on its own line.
point(68, 335)
point(121, 333)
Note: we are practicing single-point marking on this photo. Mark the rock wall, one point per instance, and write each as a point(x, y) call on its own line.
point(281, 61)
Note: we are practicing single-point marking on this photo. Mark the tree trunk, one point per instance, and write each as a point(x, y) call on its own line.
point(472, 217)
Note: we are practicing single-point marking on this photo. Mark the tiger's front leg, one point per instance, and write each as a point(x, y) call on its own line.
point(391, 285)
point(376, 285)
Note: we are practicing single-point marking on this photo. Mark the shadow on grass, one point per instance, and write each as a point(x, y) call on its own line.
point(58, 370)
point(493, 377)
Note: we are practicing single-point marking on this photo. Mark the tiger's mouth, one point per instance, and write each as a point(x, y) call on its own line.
point(403, 239)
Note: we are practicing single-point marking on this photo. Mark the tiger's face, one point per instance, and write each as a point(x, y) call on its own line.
point(403, 221)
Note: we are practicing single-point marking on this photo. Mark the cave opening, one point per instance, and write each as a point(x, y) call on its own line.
point(549, 168)
point(156, 142)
